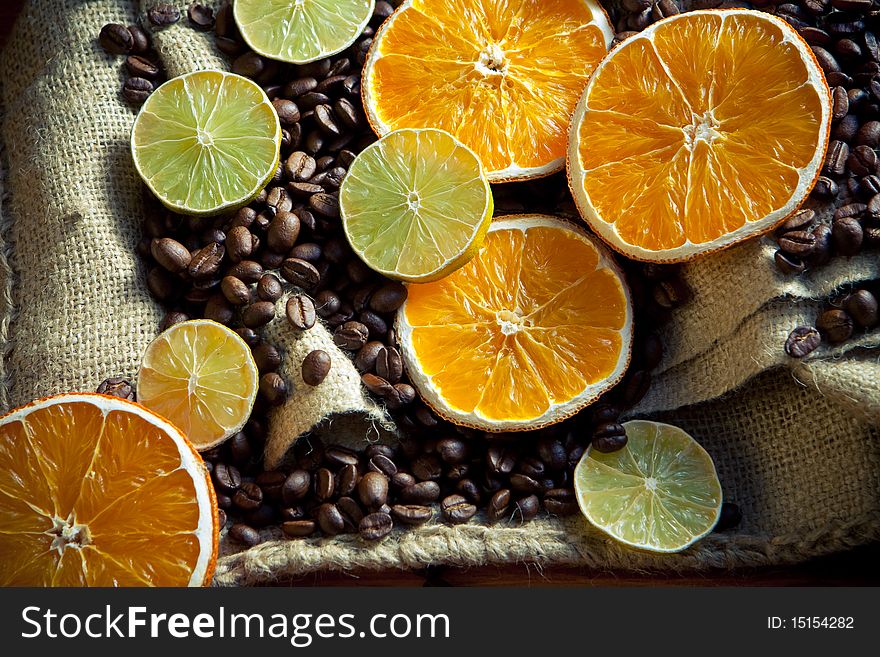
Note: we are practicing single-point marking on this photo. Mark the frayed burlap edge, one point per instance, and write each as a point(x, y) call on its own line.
point(7, 277)
point(554, 542)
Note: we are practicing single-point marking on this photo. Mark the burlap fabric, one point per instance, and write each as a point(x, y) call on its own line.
point(796, 443)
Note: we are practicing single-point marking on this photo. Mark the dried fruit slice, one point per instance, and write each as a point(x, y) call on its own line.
point(99, 491)
point(206, 142)
point(416, 205)
point(659, 493)
point(300, 31)
point(502, 77)
point(202, 377)
point(534, 328)
point(705, 129)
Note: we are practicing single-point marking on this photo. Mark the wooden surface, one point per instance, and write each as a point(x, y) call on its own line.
point(858, 567)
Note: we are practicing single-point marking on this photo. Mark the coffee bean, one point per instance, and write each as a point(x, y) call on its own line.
point(788, 264)
point(218, 309)
point(240, 449)
point(383, 464)
point(137, 90)
point(424, 492)
point(239, 243)
point(351, 336)
point(299, 166)
point(141, 67)
point(532, 467)
point(244, 534)
point(821, 252)
point(235, 291)
point(800, 220)
point(325, 484)
point(835, 325)
point(298, 528)
point(850, 210)
point(283, 232)
point(635, 387)
point(258, 314)
point(200, 17)
point(116, 39)
point(250, 65)
point(523, 483)
point(527, 508)
point(825, 188)
point(316, 367)
point(870, 186)
point(230, 47)
point(846, 129)
point(836, 157)
point(402, 480)
point(373, 489)
point(500, 460)
point(117, 387)
point(862, 161)
point(847, 236)
point(270, 482)
point(267, 357)
point(269, 288)
point(300, 273)
point(330, 519)
point(295, 487)
point(288, 112)
point(457, 510)
point(248, 496)
point(560, 502)
point(324, 204)
point(349, 116)
point(299, 86)
point(825, 59)
point(206, 261)
point(375, 526)
point(498, 505)
point(163, 14)
point(365, 359)
point(389, 364)
point(861, 305)
point(797, 243)
point(609, 437)
point(411, 514)
point(352, 514)
point(300, 311)
point(341, 456)
point(346, 480)
point(273, 388)
point(452, 450)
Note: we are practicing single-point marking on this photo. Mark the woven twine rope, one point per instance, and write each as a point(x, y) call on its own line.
point(795, 443)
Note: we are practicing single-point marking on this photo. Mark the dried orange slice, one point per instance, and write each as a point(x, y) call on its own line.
point(201, 376)
point(707, 128)
point(501, 77)
point(534, 328)
point(99, 491)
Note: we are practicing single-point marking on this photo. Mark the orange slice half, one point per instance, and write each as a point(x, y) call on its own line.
point(706, 129)
point(534, 328)
point(99, 491)
point(501, 77)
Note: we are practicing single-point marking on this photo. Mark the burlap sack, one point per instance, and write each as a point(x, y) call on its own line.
point(796, 444)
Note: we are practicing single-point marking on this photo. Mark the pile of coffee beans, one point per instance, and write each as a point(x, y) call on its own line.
point(142, 65)
point(843, 317)
point(233, 269)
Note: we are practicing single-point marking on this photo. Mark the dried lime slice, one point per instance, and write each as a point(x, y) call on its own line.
point(659, 493)
point(206, 142)
point(300, 31)
point(416, 205)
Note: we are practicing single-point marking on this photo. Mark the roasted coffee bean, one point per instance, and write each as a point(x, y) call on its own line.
point(375, 526)
point(427, 467)
point(840, 103)
point(263, 516)
point(788, 264)
point(523, 483)
point(499, 505)
point(349, 116)
point(730, 517)
point(341, 456)
point(365, 360)
point(325, 119)
point(847, 236)
point(300, 166)
point(635, 387)
point(137, 90)
point(825, 59)
point(373, 489)
point(800, 220)
point(797, 243)
point(239, 243)
point(330, 520)
point(244, 534)
point(116, 39)
point(861, 305)
point(346, 480)
point(258, 314)
point(299, 86)
point(161, 284)
point(526, 508)
point(218, 309)
point(609, 437)
point(457, 510)
point(267, 357)
point(552, 453)
point(376, 326)
point(870, 186)
point(171, 318)
point(206, 261)
point(273, 388)
point(248, 496)
point(411, 514)
point(825, 188)
point(862, 161)
point(351, 336)
point(235, 291)
point(469, 489)
point(277, 200)
point(500, 460)
point(560, 502)
point(298, 528)
point(141, 67)
point(163, 14)
point(316, 367)
point(821, 252)
point(424, 492)
point(836, 157)
point(351, 512)
point(269, 288)
point(240, 448)
point(382, 464)
point(248, 271)
point(271, 482)
point(389, 364)
point(850, 210)
point(325, 484)
point(846, 129)
point(835, 325)
point(283, 232)
point(402, 480)
point(200, 17)
point(295, 487)
point(221, 518)
point(117, 387)
point(532, 467)
point(230, 47)
point(300, 273)
point(288, 112)
point(388, 297)
point(452, 450)
point(141, 42)
point(325, 204)
point(869, 134)
point(250, 65)
point(300, 311)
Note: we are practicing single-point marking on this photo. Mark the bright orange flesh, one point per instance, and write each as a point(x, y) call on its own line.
point(95, 493)
point(502, 77)
point(531, 322)
point(709, 123)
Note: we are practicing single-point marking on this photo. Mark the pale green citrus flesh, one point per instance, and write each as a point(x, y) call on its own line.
point(300, 31)
point(658, 493)
point(416, 205)
point(206, 142)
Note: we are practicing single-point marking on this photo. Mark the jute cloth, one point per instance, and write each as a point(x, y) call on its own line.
point(796, 443)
